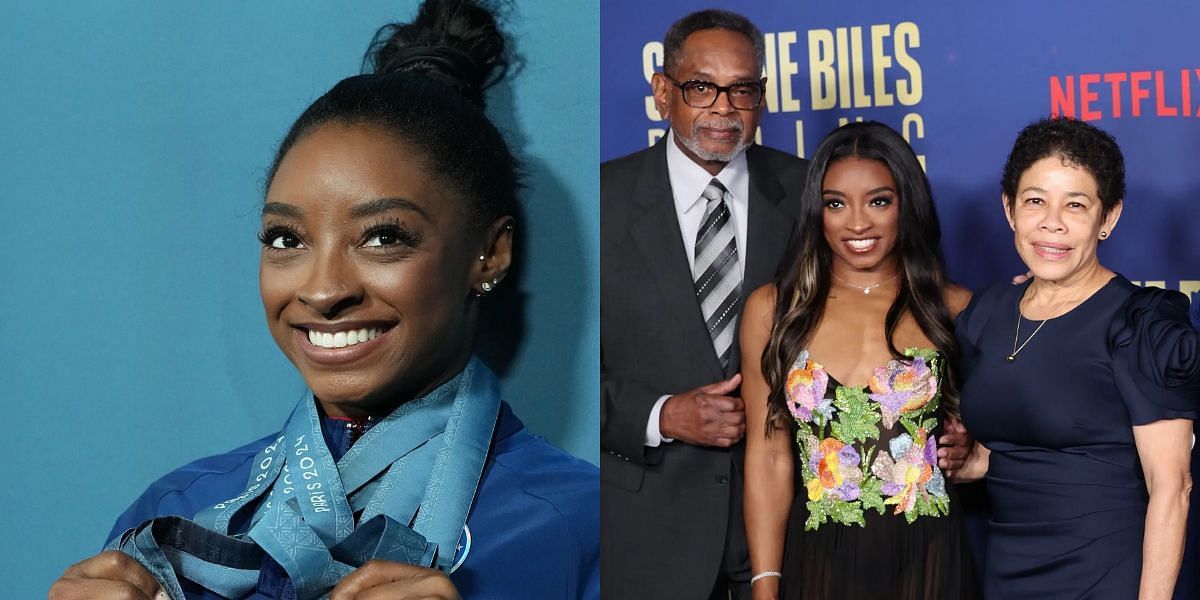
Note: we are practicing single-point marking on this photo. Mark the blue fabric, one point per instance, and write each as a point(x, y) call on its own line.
point(1068, 498)
point(535, 530)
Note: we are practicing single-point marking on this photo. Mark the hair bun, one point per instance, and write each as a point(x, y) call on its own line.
point(456, 42)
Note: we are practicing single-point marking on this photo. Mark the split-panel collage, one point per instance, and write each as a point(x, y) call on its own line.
point(600, 300)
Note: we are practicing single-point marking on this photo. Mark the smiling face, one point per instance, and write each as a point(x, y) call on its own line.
point(369, 269)
point(1057, 220)
point(710, 136)
point(861, 214)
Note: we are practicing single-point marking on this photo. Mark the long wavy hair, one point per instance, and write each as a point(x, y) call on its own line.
point(803, 281)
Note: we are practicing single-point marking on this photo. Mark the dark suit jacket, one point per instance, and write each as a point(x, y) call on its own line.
point(667, 512)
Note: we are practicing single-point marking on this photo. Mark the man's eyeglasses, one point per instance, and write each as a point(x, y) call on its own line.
point(743, 95)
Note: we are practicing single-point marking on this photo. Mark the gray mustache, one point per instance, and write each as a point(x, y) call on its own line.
point(730, 124)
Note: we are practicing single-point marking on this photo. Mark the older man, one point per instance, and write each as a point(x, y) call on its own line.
point(688, 227)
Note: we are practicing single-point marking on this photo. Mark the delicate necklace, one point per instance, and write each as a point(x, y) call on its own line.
point(867, 289)
point(1013, 357)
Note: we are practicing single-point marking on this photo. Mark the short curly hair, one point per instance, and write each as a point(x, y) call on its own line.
point(1077, 144)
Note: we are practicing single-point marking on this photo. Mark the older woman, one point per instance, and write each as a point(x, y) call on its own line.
point(1080, 387)
point(387, 222)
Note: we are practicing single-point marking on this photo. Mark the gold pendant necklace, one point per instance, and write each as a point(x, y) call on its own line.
point(865, 290)
point(1016, 336)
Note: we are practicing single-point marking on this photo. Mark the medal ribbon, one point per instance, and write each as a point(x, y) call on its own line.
point(412, 478)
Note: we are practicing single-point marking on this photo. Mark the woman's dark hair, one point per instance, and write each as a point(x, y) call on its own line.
point(803, 281)
point(709, 19)
point(1077, 144)
point(426, 85)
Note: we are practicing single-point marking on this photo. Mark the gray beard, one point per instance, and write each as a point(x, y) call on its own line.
point(706, 155)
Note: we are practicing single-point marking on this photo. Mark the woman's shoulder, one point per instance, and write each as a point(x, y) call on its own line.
point(1151, 317)
point(1156, 354)
point(956, 298)
point(188, 489)
point(536, 500)
point(523, 465)
point(762, 298)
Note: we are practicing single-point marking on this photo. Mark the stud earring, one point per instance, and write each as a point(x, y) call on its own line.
point(482, 257)
point(1104, 235)
point(486, 286)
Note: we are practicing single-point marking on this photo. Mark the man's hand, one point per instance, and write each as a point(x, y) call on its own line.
point(705, 416)
point(110, 575)
point(395, 581)
point(954, 446)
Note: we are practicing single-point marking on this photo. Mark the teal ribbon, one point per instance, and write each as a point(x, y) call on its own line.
point(412, 478)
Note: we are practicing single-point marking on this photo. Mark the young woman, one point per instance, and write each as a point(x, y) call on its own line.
point(844, 496)
point(387, 222)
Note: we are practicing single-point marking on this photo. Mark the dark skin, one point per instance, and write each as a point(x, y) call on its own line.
point(357, 236)
point(861, 226)
point(713, 414)
point(109, 574)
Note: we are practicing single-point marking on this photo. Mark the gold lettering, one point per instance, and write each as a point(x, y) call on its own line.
point(861, 98)
point(843, 60)
point(652, 60)
point(880, 62)
point(772, 91)
point(1189, 287)
point(800, 138)
point(821, 76)
point(787, 68)
point(913, 128)
point(908, 36)
point(1157, 284)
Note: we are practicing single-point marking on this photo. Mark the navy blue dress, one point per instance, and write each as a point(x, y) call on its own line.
point(1067, 492)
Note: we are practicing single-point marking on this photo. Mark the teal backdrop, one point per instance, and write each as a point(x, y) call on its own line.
point(134, 140)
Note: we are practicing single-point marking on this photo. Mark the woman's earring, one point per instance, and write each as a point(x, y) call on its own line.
point(486, 286)
point(1104, 235)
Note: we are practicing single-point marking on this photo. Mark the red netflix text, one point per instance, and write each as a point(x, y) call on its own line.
point(1096, 96)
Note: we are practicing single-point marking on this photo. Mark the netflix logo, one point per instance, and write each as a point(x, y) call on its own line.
point(1096, 96)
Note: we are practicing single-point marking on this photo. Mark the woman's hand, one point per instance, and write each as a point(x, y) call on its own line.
point(393, 580)
point(110, 575)
point(956, 445)
point(976, 466)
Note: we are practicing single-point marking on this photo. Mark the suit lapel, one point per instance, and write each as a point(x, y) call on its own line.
point(656, 234)
point(768, 228)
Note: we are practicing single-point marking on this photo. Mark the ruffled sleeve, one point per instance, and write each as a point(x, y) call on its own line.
point(1156, 357)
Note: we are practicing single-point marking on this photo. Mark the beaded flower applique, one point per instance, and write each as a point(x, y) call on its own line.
point(845, 468)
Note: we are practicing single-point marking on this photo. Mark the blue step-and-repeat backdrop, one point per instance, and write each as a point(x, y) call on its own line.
point(959, 81)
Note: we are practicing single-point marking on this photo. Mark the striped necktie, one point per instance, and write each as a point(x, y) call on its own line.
point(718, 283)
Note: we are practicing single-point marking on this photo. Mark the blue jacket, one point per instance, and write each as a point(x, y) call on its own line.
point(534, 527)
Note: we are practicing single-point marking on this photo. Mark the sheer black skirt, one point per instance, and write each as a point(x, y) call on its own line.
point(889, 558)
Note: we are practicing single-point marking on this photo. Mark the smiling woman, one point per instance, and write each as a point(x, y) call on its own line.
point(389, 217)
point(351, 224)
point(1081, 388)
point(849, 386)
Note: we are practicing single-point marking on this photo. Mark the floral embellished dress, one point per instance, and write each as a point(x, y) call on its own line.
point(872, 516)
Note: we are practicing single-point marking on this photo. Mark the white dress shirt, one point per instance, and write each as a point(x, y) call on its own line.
point(688, 181)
